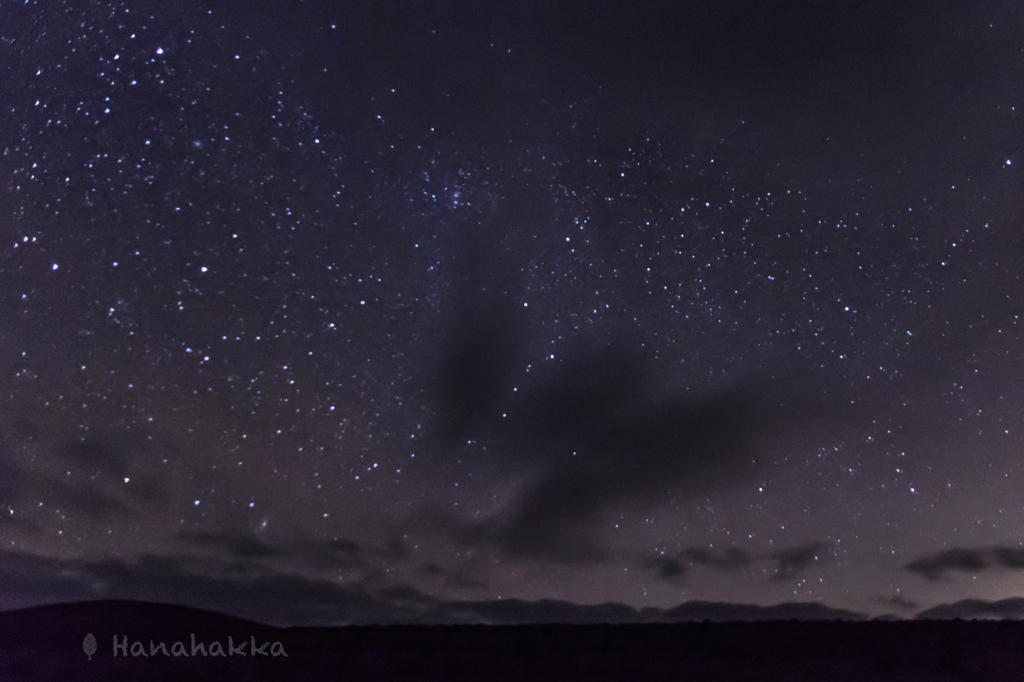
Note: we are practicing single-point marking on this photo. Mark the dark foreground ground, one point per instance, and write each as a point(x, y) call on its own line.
point(51, 643)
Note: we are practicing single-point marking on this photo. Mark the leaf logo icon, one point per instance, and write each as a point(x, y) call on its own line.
point(89, 645)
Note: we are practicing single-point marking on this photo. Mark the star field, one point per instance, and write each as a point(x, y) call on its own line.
point(635, 306)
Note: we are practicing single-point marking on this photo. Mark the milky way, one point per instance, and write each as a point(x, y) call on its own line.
point(396, 304)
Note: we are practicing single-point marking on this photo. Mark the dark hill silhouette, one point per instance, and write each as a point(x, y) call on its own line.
point(51, 643)
point(976, 608)
point(723, 613)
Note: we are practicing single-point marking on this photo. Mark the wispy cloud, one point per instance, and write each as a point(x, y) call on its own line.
point(789, 562)
point(279, 598)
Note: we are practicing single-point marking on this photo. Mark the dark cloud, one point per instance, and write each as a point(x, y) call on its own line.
point(162, 564)
point(544, 526)
point(1010, 557)
point(484, 331)
point(396, 548)
point(669, 569)
point(460, 581)
point(86, 498)
point(601, 429)
point(405, 593)
point(967, 609)
point(145, 489)
point(731, 559)
point(17, 523)
point(935, 566)
point(356, 559)
point(321, 559)
point(280, 599)
point(94, 453)
point(899, 602)
point(343, 546)
point(430, 569)
point(13, 479)
point(272, 598)
point(235, 546)
point(29, 579)
point(269, 597)
point(795, 559)
point(789, 562)
point(246, 554)
point(600, 426)
point(673, 568)
point(723, 612)
point(90, 480)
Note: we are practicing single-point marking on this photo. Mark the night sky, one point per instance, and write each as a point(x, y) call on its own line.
point(352, 312)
